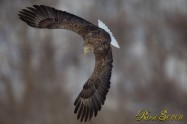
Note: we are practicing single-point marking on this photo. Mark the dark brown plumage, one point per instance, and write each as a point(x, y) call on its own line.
point(94, 92)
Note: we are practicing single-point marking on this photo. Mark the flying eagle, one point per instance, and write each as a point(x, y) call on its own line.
point(96, 39)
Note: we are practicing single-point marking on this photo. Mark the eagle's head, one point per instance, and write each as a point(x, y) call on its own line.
point(96, 47)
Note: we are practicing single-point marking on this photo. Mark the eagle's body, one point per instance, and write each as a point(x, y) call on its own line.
point(94, 92)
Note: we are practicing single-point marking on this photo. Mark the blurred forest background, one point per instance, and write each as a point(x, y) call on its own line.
point(42, 71)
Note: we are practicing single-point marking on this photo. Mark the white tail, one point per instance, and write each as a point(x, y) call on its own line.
point(113, 40)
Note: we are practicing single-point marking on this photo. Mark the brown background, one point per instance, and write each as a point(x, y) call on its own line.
point(42, 71)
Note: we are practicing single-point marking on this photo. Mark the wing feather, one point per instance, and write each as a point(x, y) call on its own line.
point(80, 111)
point(91, 111)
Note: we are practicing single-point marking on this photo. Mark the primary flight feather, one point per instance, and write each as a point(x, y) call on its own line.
point(96, 39)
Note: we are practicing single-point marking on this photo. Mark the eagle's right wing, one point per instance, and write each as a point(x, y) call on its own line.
point(41, 16)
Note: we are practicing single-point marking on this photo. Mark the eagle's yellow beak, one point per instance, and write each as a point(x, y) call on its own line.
point(85, 51)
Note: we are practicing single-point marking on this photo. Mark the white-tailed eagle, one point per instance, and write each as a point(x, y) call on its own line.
point(96, 39)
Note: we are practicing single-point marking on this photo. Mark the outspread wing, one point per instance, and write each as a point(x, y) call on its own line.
point(41, 16)
point(94, 92)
